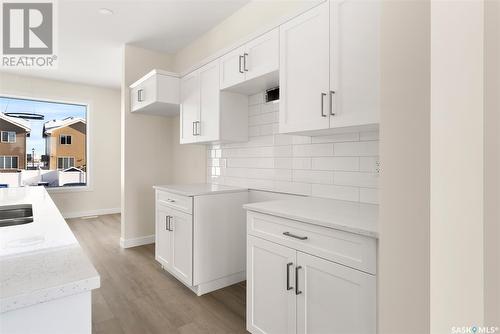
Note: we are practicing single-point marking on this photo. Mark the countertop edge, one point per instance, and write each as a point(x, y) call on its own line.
point(200, 193)
point(49, 294)
point(335, 226)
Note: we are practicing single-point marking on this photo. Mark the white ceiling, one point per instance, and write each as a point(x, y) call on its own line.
point(90, 44)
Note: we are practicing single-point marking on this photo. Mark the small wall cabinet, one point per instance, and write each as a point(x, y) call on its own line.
point(200, 239)
point(157, 93)
point(208, 114)
point(308, 279)
point(252, 67)
point(329, 68)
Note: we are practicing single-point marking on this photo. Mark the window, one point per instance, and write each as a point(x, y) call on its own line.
point(8, 137)
point(65, 162)
point(50, 138)
point(65, 140)
point(8, 162)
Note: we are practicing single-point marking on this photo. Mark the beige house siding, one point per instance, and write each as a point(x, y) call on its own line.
point(14, 149)
point(77, 148)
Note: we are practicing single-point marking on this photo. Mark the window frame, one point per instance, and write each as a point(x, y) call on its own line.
point(89, 133)
point(8, 141)
point(65, 139)
point(11, 157)
point(65, 157)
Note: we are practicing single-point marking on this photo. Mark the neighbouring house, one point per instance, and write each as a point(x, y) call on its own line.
point(65, 143)
point(13, 134)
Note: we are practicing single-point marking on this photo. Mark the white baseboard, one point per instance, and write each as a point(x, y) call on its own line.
point(98, 212)
point(134, 242)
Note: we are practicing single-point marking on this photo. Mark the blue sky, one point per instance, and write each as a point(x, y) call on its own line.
point(49, 109)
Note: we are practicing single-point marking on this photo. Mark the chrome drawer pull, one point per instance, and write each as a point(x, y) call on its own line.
point(288, 234)
point(171, 200)
point(297, 291)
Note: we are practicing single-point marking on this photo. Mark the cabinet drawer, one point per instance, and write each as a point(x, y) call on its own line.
point(179, 202)
point(346, 248)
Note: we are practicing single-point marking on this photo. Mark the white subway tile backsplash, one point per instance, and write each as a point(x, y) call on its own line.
point(312, 150)
point(368, 195)
point(336, 163)
point(340, 166)
point(336, 192)
point(336, 138)
point(356, 179)
point(368, 164)
point(256, 99)
point(313, 176)
point(301, 163)
point(356, 149)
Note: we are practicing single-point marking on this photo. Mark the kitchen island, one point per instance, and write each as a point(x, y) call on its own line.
point(45, 277)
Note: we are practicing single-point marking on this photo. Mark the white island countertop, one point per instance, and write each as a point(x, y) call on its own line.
point(198, 189)
point(354, 217)
point(42, 260)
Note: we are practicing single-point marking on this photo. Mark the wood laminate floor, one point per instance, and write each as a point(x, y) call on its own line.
point(137, 296)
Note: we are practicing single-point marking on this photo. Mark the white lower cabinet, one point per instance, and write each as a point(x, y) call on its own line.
point(290, 291)
point(201, 239)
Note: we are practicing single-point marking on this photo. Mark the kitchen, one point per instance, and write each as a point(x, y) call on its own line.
point(253, 174)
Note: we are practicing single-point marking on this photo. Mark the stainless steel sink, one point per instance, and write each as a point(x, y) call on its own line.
point(16, 214)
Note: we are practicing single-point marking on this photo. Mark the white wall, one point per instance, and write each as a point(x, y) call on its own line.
point(492, 164)
point(104, 130)
point(151, 154)
point(404, 223)
point(457, 77)
point(341, 166)
point(249, 19)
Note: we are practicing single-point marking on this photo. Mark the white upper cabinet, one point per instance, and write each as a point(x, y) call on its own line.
point(231, 68)
point(355, 69)
point(157, 93)
point(208, 114)
point(329, 68)
point(304, 71)
point(252, 67)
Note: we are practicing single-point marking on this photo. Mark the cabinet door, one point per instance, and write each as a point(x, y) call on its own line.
point(334, 299)
point(231, 68)
point(208, 128)
point(304, 71)
point(181, 226)
point(144, 94)
point(163, 237)
point(190, 108)
point(355, 70)
point(262, 55)
point(270, 305)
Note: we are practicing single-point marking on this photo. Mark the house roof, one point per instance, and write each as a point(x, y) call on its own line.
point(22, 123)
point(54, 124)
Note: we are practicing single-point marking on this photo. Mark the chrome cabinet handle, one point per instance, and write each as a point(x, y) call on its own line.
point(198, 128)
point(331, 103)
point(288, 234)
point(288, 265)
point(170, 225)
point(140, 96)
point(239, 64)
point(166, 223)
point(297, 291)
point(323, 105)
point(194, 128)
point(245, 55)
